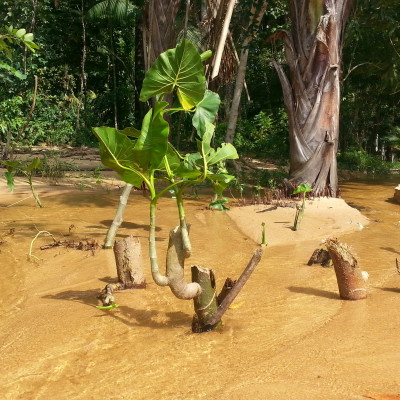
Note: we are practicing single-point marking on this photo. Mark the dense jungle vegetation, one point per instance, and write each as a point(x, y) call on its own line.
point(90, 63)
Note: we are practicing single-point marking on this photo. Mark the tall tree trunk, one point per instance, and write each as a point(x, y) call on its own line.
point(159, 26)
point(241, 74)
point(237, 94)
point(312, 93)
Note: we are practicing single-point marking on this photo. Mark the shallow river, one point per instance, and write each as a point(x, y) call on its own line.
point(291, 337)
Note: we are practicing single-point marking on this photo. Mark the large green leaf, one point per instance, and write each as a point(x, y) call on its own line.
point(206, 111)
point(181, 69)
point(36, 164)
point(220, 181)
point(172, 158)
point(226, 152)
point(190, 168)
point(152, 144)
point(117, 153)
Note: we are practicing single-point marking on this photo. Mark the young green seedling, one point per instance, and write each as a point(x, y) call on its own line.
point(146, 155)
point(303, 189)
point(263, 235)
point(26, 169)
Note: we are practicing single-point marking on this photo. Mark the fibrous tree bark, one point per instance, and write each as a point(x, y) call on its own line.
point(159, 30)
point(311, 92)
point(128, 260)
point(351, 280)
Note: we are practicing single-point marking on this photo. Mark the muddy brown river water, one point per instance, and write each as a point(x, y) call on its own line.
point(290, 336)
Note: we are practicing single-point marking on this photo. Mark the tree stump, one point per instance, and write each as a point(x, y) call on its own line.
point(351, 280)
point(129, 263)
point(205, 304)
point(321, 256)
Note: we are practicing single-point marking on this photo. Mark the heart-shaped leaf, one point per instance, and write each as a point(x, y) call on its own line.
point(152, 144)
point(226, 152)
point(117, 153)
point(206, 111)
point(177, 69)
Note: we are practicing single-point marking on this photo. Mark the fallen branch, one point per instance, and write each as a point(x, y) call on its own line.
point(231, 295)
point(90, 245)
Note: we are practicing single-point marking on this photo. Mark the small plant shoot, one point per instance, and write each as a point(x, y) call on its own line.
point(25, 169)
point(300, 209)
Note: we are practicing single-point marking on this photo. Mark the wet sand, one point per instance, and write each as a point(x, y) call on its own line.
point(289, 337)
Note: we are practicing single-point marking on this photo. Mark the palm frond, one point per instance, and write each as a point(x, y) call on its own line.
point(118, 10)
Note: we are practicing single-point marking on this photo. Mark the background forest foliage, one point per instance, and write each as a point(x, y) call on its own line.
point(90, 66)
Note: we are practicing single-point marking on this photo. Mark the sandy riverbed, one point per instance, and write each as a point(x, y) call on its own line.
point(289, 336)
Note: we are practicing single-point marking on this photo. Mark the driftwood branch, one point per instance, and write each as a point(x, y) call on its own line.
point(227, 301)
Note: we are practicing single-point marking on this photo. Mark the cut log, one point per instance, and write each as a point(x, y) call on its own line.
point(351, 280)
point(205, 304)
point(129, 263)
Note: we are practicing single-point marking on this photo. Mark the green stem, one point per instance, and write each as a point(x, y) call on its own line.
point(159, 279)
point(36, 197)
point(182, 222)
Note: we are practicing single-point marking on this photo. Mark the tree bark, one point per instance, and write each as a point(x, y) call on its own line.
point(160, 34)
point(312, 93)
point(237, 94)
point(205, 305)
point(351, 280)
point(129, 263)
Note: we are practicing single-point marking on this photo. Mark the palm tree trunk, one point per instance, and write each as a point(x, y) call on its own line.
point(312, 93)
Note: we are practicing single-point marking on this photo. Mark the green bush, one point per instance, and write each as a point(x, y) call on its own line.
point(361, 161)
point(265, 135)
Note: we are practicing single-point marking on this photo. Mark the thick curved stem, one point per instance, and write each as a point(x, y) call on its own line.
point(176, 256)
point(159, 279)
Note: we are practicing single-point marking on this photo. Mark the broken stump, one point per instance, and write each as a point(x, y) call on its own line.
point(129, 263)
point(351, 280)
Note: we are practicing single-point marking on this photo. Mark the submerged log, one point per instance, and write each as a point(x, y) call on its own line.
point(129, 263)
point(351, 280)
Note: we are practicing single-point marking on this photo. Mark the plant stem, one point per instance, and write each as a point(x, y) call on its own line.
point(36, 197)
point(159, 279)
point(182, 222)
